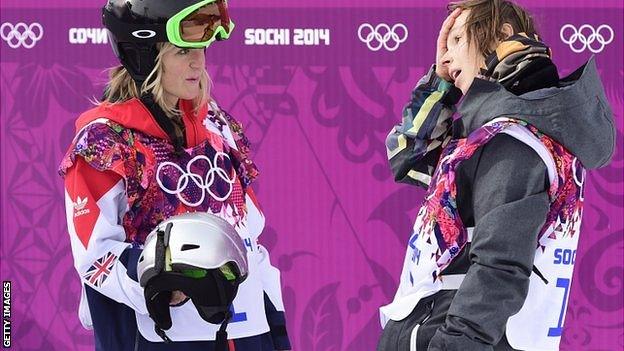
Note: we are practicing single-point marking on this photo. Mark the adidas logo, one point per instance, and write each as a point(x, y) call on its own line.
point(79, 207)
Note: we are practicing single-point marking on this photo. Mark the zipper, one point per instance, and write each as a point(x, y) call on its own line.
point(190, 140)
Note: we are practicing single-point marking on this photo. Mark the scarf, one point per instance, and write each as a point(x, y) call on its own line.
point(521, 64)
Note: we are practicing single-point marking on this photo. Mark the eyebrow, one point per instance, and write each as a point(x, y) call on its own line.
point(454, 31)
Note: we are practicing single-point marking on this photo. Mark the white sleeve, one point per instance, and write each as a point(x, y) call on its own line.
point(270, 277)
point(95, 204)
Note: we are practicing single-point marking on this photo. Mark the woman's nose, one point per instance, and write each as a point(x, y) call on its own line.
point(446, 59)
point(196, 58)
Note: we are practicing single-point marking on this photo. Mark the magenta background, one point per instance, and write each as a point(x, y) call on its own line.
point(317, 117)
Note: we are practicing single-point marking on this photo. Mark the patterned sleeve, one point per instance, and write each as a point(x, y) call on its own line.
point(105, 147)
point(414, 145)
point(246, 168)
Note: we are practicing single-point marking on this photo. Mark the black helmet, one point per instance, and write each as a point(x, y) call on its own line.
point(135, 26)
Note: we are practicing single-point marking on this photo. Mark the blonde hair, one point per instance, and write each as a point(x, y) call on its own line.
point(485, 21)
point(121, 86)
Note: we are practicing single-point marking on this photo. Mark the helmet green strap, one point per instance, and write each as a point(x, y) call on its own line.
point(195, 273)
point(227, 271)
point(167, 259)
point(198, 273)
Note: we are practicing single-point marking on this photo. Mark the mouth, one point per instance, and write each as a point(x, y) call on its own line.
point(192, 80)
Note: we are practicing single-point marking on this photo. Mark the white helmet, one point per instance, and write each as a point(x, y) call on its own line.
point(199, 254)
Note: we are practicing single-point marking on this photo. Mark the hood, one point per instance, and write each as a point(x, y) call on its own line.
point(576, 113)
point(132, 114)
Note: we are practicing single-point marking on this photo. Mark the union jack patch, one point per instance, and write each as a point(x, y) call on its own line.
point(100, 270)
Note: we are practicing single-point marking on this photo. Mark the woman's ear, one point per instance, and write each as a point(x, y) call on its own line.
point(507, 30)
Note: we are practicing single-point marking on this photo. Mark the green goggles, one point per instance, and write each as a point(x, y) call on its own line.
point(194, 27)
point(199, 25)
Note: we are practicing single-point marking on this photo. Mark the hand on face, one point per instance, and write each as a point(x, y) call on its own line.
point(441, 50)
point(459, 59)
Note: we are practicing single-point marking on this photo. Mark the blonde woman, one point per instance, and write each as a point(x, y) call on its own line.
point(157, 146)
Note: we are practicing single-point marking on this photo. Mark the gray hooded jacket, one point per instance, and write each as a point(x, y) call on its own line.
point(502, 192)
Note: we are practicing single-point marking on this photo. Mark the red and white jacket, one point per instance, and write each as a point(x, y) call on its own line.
point(123, 176)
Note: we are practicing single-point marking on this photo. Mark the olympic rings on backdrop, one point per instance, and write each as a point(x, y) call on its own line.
point(21, 34)
point(383, 36)
point(570, 35)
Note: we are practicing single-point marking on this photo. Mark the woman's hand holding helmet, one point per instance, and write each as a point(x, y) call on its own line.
point(177, 297)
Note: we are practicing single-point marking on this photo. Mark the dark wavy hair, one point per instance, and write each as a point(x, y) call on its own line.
point(486, 18)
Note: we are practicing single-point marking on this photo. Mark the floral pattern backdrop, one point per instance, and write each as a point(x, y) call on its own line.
point(317, 117)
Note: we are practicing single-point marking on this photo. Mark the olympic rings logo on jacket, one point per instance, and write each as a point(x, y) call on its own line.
point(203, 183)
